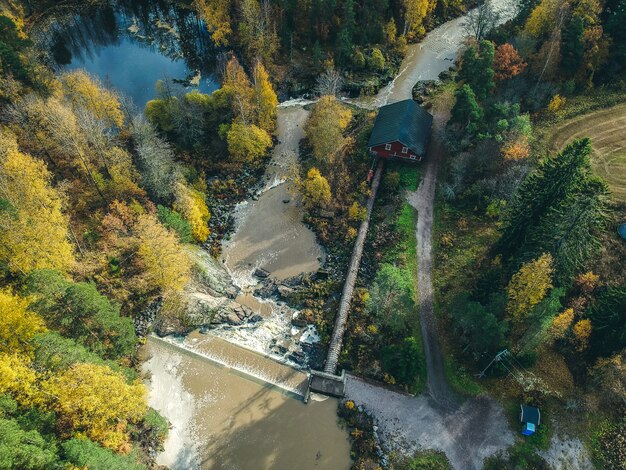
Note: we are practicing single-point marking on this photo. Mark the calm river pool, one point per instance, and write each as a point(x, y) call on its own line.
point(130, 45)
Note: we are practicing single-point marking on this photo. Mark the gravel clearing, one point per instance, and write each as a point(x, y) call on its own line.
point(467, 435)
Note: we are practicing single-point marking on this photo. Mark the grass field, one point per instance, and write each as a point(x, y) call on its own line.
point(607, 130)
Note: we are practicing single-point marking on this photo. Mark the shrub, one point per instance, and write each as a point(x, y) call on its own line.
point(402, 360)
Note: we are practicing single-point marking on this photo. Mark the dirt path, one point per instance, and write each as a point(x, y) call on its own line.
point(423, 201)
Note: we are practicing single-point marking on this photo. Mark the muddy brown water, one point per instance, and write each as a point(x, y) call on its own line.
point(270, 233)
point(223, 418)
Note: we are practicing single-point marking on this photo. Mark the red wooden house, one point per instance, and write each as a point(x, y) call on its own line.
point(401, 131)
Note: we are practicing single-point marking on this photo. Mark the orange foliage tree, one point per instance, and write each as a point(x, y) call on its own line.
point(507, 62)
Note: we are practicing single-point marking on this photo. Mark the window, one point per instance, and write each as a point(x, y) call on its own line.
point(412, 157)
point(405, 149)
point(387, 146)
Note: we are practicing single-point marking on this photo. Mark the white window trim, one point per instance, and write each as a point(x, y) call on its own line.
point(387, 146)
point(413, 157)
point(405, 149)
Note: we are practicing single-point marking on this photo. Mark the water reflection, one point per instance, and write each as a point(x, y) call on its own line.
point(132, 44)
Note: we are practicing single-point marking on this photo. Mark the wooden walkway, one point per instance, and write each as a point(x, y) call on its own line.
point(334, 350)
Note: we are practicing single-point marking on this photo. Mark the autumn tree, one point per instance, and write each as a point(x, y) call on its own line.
point(237, 85)
point(265, 99)
point(529, 286)
point(561, 324)
point(377, 60)
point(324, 129)
point(247, 142)
point(30, 207)
point(18, 325)
point(216, 15)
point(256, 30)
point(191, 203)
point(582, 332)
point(414, 13)
point(94, 401)
point(315, 189)
point(507, 62)
point(167, 266)
point(543, 19)
point(18, 379)
point(330, 82)
point(85, 91)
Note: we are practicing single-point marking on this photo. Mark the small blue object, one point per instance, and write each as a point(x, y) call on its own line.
point(530, 417)
point(622, 231)
point(528, 429)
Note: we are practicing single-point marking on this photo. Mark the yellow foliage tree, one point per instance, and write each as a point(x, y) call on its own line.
point(316, 189)
point(357, 211)
point(561, 323)
point(414, 13)
point(18, 325)
point(238, 86)
point(18, 379)
point(83, 90)
point(529, 286)
point(33, 229)
point(582, 331)
point(265, 99)
point(166, 264)
point(325, 127)
point(542, 19)
point(247, 142)
point(556, 103)
point(192, 205)
point(94, 401)
point(215, 14)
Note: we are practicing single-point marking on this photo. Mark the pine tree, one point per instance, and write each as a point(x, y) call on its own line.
point(466, 110)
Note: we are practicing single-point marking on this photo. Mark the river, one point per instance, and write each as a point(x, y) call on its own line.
point(216, 395)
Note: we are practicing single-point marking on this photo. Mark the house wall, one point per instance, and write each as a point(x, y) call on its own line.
point(395, 152)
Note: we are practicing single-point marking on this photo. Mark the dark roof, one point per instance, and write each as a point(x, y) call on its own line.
point(530, 414)
point(405, 121)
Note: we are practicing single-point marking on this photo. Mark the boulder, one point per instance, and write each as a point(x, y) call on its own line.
point(285, 292)
point(255, 318)
point(324, 214)
point(261, 273)
point(445, 75)
point(299, 322)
